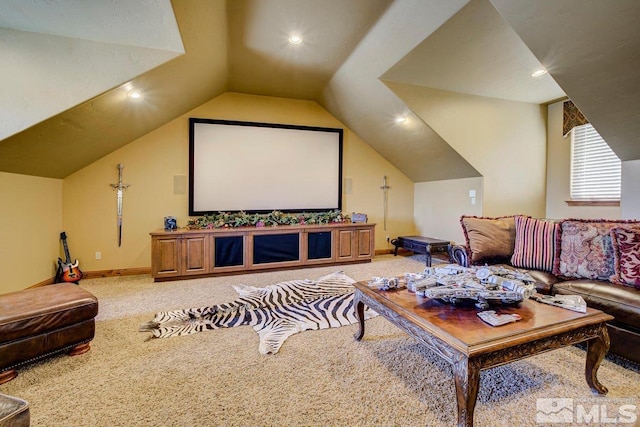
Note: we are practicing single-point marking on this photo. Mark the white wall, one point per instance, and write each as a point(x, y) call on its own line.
point(559, 171)
point(438, 206)
point(630, 204)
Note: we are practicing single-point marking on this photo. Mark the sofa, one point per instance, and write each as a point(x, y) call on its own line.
point(597, 259)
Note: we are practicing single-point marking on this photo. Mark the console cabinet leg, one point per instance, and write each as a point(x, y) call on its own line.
point(7, 376)
point(80, 349)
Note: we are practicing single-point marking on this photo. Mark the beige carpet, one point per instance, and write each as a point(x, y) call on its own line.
point(319, 378)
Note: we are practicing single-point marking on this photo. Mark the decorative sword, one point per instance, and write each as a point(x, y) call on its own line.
point(119, 187)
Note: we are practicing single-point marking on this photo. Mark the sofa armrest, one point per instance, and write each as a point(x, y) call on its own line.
point(458, 254)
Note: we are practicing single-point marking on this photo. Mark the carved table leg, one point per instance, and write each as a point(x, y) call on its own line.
point(467, 377)
point(596, 350)
point(359, 312)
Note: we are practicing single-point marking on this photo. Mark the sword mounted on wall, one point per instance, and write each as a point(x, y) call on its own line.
point(120, 187)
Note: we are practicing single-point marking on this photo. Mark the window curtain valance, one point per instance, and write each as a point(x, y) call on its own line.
point(572, 117)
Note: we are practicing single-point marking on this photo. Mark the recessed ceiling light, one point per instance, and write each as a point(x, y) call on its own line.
point(295, 39)
point(134, 94)
point(539, 73)
point(401, 119)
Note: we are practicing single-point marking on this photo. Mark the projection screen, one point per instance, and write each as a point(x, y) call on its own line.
point(260, 167)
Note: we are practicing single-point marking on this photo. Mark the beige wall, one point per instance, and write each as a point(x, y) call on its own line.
point(151, 162)
point(505, 141)
point(558, 175)
point(439, 205)
point(31, 213)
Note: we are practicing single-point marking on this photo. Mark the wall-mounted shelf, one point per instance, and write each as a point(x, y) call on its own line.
point(186, 253)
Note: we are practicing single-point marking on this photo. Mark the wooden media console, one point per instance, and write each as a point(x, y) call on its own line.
point(206, 252)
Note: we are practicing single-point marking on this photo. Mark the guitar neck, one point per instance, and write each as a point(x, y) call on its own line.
point(66, 253)
point(63, 237)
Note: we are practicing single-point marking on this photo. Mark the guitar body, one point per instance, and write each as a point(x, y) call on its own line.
point(67, 271)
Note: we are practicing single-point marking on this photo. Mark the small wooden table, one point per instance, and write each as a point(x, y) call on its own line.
point(458, 335)
point(420, 245)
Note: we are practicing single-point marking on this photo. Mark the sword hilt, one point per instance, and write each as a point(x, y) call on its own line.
point(120, 185)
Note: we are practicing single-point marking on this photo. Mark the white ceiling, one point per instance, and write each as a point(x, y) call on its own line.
point(65, 64)
point(263, 62)
point(147, 23)
point(56, 55)
point(357, 96)
point(592, 49)
point(476, 52)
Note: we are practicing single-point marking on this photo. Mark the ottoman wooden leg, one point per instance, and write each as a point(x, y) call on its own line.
point(7, 376)
point(80, 349)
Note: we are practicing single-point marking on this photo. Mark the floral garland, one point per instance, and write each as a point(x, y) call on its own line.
point(243, 219)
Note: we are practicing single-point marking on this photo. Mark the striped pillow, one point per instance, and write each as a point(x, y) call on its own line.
point(535, 245)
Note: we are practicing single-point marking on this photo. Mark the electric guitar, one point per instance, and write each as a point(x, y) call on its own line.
point(67, 271)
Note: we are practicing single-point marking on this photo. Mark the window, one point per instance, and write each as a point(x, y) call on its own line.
point(595, 168)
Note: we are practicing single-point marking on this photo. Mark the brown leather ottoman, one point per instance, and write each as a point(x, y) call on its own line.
point(39, 322)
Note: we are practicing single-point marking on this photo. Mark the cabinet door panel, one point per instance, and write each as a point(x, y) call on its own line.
point(195, 251)
point(228, 252)
point(166, 257)
point(270, 248)
point(319, 245)
point(365, 240)
point(345, 244)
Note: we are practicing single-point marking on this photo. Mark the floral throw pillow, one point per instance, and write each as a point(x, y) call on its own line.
point(585, 250)
point(626, 253)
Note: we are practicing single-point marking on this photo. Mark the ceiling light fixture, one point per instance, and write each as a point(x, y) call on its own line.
point(134, 94)
point(539, 73)
point(295, 39)
point(401, 119)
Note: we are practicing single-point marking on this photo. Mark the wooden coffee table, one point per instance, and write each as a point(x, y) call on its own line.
point(458, 335)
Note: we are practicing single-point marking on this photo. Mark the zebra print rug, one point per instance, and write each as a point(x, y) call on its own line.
point(276, 311)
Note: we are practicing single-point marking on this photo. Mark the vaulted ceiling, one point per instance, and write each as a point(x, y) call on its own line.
point(68, 65)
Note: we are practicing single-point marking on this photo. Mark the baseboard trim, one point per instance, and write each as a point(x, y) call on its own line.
point(383, 251)
point(116, 272)
point(49, 281)
point(401, 251)
point(101, 273)
point(147, 270)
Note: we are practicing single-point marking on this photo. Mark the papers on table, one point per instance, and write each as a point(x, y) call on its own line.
point(570, 302)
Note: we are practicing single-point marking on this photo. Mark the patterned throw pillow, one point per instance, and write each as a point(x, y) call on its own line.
point(489, 240)
point(585, 250)
point(626, 253)
point(535, 245)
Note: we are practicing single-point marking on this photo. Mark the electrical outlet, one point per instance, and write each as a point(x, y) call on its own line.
point(387, 237)
point(98, 255)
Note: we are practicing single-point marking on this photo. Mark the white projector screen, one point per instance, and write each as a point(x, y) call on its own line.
point(260, 167)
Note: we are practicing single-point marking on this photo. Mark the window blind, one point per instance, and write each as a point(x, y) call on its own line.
point(595, 168)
